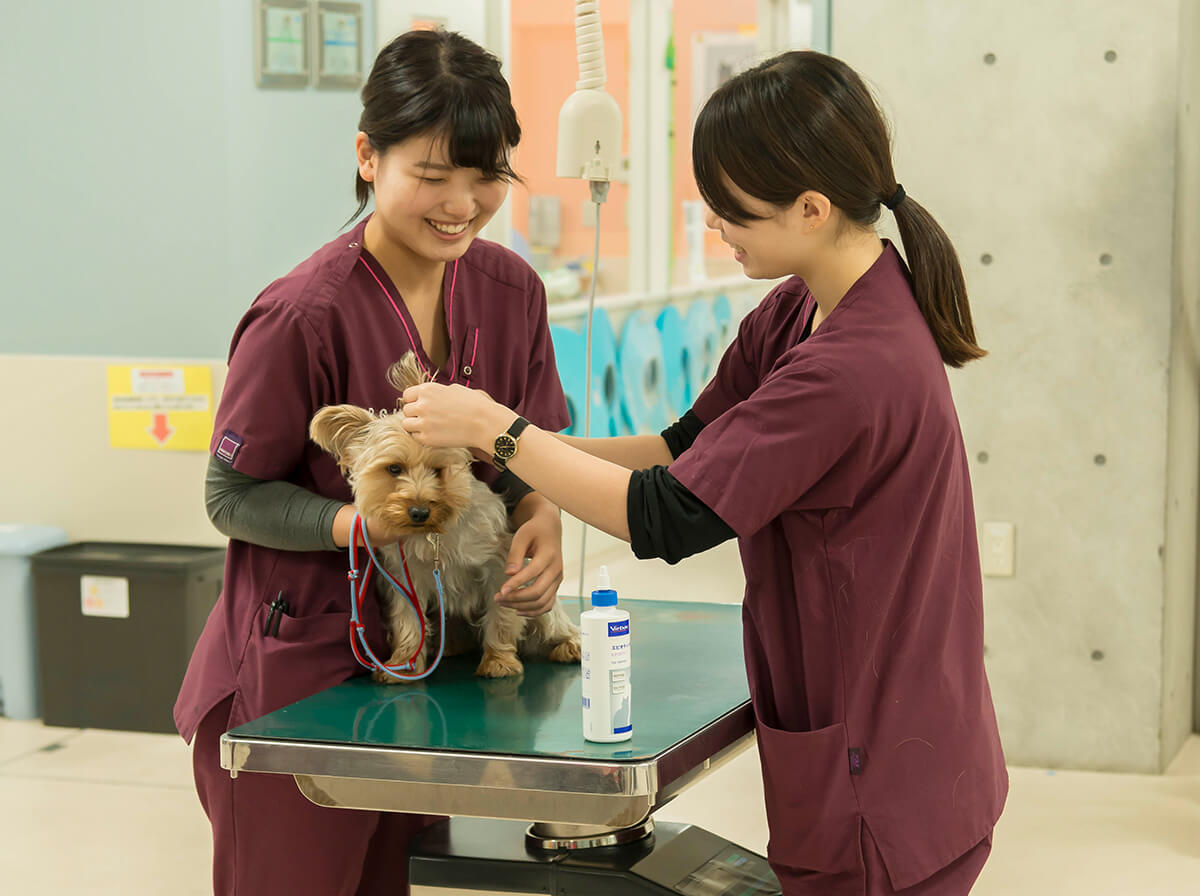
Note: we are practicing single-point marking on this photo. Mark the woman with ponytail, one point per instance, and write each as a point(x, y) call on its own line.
point(829, 445)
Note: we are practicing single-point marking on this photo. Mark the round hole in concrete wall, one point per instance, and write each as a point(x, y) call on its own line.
point(1110, 56)
point(1106, 259)
point(982, 457)
point(1100, 460)
point(985, 258)
point(1097, 655)
point(989, 59)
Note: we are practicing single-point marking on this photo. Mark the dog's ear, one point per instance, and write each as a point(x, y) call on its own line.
point(406, 372)
point(338, 428)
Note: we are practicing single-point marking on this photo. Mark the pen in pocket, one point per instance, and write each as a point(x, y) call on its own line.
point(279, 608)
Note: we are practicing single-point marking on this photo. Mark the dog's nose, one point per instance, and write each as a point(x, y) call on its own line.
point(418, 514)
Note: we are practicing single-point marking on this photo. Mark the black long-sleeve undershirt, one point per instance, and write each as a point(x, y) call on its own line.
point(665, 519)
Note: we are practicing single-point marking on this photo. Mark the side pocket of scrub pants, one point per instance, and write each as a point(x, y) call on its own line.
point(812, 810)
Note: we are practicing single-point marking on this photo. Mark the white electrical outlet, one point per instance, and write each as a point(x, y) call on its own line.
point(998, 548)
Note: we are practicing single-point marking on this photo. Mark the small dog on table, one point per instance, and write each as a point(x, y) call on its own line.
point(423, 495)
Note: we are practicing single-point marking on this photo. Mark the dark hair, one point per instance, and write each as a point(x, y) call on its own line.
point(806, 121)
point(439, 82)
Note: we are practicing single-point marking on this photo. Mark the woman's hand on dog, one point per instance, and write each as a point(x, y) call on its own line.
point(532, 588)
point(454, 417)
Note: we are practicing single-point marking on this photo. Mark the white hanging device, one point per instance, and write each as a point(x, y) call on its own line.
point(589, 123)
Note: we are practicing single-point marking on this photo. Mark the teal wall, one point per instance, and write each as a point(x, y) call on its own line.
point(150, 189)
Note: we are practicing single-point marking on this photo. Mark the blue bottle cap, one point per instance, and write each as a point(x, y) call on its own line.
point(604, 597)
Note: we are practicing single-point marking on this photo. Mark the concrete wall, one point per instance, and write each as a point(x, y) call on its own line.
point(1043, 137)
point(1180, 626)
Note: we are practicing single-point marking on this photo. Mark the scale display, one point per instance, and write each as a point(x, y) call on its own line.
point(731, 872)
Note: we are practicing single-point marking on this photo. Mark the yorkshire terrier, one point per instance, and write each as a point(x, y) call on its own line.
point(419, 495)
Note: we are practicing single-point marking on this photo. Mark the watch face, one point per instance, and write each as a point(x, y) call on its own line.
point(505, 447)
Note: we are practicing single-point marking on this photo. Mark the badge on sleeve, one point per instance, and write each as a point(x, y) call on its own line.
point(229, 446)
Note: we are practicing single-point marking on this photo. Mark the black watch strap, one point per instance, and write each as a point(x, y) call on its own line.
point(504, 448)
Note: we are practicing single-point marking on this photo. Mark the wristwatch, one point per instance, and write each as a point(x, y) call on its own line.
point(504, 448)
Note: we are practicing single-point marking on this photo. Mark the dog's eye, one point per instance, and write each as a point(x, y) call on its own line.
point(395, 469)
point(439, 472)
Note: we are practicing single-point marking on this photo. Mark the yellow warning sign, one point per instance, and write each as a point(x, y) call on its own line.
point(160, 408)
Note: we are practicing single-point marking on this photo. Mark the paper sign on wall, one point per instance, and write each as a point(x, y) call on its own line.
point(104, 596)
point(160, 408)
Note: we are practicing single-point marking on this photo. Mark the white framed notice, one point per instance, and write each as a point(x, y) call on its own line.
point(281, 43)
point(338, 31)
point(104, 596)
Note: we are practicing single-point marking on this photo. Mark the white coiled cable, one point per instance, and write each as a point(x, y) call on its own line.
point(589, 45)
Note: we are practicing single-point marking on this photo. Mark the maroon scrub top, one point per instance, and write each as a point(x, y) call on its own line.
point(839, 462)
point(326, 334)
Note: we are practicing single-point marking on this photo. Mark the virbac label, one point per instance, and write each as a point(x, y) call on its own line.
point(607, 685)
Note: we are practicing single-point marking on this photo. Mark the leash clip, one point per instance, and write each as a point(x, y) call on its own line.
point(436, 540)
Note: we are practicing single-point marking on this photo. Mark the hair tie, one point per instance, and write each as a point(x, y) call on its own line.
point(896, 199)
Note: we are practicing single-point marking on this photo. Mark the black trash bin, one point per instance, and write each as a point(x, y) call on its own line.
point(116, 625)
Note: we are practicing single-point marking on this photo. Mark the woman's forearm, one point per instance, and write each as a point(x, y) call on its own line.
point(271, 513)
point(630, 452)
point(588, 487)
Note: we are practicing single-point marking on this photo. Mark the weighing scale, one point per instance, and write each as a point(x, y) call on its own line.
point(534, 807)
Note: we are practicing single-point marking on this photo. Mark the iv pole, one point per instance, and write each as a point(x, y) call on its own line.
point(589, 147)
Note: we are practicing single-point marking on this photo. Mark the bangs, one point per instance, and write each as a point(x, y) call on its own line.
point(481, 137)
point(735, 143)
point(713, 182)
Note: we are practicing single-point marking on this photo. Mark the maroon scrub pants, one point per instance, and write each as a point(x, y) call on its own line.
point(956, 879)
point(269, 840)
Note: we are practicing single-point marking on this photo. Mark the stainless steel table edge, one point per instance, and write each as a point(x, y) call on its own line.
point(523, 787)
point(406, 766)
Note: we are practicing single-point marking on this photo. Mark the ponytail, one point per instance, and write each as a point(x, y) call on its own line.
point(806, 121)
point(937, 281)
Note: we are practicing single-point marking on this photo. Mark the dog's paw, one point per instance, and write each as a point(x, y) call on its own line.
point(384, 678)
point(398, 659)
point(566, 651)
point(499, 665)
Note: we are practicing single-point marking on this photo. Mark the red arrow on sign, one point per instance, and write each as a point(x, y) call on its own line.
point(161, 430)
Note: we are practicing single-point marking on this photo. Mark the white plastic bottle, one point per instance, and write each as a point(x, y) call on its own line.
point(607, 685)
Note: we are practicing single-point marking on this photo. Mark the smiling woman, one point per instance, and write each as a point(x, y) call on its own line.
point(433, 147)
point(427, 210)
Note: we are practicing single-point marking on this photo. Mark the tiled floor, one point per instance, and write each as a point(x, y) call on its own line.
point(105, 813)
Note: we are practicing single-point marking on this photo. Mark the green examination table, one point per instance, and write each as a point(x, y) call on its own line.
point(534, 807)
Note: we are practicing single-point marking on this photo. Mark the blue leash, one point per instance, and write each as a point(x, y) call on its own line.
point(357, 528)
